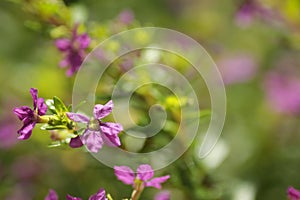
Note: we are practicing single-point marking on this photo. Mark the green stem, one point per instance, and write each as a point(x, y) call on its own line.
point(136, 193)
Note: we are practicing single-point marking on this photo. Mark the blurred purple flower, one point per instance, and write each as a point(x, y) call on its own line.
point(293, 194)
point(237, 69)
point(145, 174)
point(246, 13)
point(163, 195)
point(7, 140)
point(126, 17)
point(251, 9)
point(74, 50)
point(30, 116)
point(23, 192)
point(283, 92)
point(27, 168)
point(100, 195)
point(69, 197)
point(97, 132)
point(126, 64)
point(52, 195)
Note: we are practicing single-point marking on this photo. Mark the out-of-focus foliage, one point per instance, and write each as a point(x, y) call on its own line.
point(256, 46)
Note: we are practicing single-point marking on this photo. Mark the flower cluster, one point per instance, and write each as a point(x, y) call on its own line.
point(95, 134)
point(143, 179)
point(73, 49)
point(62, 123)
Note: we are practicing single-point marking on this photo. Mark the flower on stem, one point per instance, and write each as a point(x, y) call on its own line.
point(144, 176)
point(293, 194)
point(73, 49)
point(30, 116)
point(97, 132)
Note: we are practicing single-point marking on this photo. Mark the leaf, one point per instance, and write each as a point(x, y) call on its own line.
point(59, 105)
point(51, 127)
point(51, 107)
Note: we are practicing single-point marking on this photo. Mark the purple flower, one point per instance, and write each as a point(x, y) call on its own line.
point(7, 140)
point(126, 17)
point(283, 92)
point(246, 13)
point(293, 194)
point(251, 9)
point(30, 116)
point(100, 195)
point(163, 195)
point(145, 175)
point(97, 132)
point(74, 50)
point(237, 68)
point(52, 195)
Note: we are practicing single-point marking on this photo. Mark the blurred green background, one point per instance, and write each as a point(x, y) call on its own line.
point(257, 49)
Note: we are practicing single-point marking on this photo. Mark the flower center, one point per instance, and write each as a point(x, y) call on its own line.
point(94, 124)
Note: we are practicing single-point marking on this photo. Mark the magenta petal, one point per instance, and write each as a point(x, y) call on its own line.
point(293, 194)
point(100, 195)
point(64, 63)
point(92, 140)
point(26, 130)
point(69, 197)
point(111, 140)
point(51, 195)
point(34, 94)
point(101, 111)
point(156, 182)
point(75, 59)
point(76, 117)
point(145, 172)
point(76, 142)
point(84, 41)
point(111, 128)
point(23, 112)
point(42, 107)
point(124, 174)
point(62, 44)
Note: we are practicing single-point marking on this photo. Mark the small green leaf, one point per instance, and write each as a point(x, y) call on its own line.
point(59, 105)
point(54, 144)
point(50, 127)
point(51, 107)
